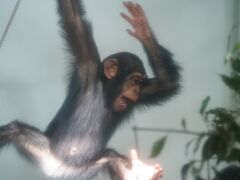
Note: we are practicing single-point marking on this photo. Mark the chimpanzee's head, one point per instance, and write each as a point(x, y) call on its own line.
point(124, 75)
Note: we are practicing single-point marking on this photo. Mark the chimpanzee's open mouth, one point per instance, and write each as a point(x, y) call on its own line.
point(124, 101)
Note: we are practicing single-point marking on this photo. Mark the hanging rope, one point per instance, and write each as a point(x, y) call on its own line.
point(9, 22)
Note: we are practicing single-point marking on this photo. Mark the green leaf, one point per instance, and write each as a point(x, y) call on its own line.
point(189, 143)
point(223, 116)
point(204, 104)
point(209, 147)
point(198, 142)
point(236, 65)
point(234, 156)
point(158, 147)
point(185, 168)
point(232, 82)
point(231, 140)
point(236, 47)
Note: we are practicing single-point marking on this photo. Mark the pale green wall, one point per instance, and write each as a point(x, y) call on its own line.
point(33, 66)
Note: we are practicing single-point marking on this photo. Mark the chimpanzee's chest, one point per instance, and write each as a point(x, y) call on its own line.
point(86, 130)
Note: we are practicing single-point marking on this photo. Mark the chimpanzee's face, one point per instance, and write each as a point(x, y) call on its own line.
point(130, 85)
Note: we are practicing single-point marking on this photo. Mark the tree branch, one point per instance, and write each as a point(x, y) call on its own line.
point(178, 131)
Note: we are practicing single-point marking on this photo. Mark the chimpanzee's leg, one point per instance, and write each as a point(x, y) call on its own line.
point(35, 146)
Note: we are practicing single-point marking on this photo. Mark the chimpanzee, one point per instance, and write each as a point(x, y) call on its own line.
point(100, 97)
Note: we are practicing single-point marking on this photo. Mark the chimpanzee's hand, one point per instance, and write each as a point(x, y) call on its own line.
point(141, 171)
point(138, 20)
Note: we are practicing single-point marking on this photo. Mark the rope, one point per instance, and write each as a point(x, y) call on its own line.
point(9, 22)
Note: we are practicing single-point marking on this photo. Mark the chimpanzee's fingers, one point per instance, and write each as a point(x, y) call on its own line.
point(132, 33)
point(159, 170)
point(140, 11)
point(131, 7)
point(133, 155)
point(128, 19)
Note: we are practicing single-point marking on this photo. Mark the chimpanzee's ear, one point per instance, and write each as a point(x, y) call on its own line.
point(110, 68)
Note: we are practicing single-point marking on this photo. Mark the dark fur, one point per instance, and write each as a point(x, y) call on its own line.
point(86, 120)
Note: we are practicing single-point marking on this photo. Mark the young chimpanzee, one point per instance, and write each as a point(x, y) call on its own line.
point(100, 96)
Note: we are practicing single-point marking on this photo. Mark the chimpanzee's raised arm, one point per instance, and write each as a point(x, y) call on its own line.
point(78, 34)
point(166, 80)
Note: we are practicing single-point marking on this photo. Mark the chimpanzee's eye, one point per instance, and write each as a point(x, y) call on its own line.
point(137, 80)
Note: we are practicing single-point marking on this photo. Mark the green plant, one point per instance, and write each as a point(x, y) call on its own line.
point(221, 142)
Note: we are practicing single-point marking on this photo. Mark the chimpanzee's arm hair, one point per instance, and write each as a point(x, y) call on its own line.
point(167, 77)
point(78, 33)
point(166, 72)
